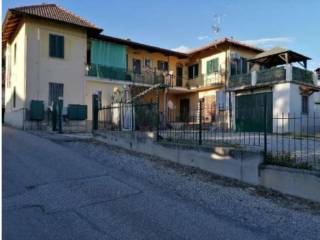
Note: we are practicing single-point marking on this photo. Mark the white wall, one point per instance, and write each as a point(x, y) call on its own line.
point(287, 104)
point(15, 70)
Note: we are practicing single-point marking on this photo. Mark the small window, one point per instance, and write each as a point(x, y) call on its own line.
point(304, 104)
point(163, 65)
point(14, 97)
point(55, 91)
point(193, 71)
point(147, 63)
point(213, 66)
point(15, 53)
point(56, 46)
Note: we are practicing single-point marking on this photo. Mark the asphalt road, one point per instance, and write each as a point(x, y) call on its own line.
point(85, 190)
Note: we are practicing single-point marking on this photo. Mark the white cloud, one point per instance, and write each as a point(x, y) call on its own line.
point(181, 48)
point(200, 38)
point(268, 42)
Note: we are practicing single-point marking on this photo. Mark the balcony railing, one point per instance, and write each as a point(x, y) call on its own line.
point(302, 75)
point(240, 80)
point(213, 79)
point(273, 75)
point(121, 74)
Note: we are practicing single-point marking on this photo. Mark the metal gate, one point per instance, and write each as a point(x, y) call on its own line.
point(251, 111)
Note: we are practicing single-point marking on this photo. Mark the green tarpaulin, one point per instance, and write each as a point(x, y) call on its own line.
point(108, 54)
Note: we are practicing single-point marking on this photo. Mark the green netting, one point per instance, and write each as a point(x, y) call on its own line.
point(108, 54)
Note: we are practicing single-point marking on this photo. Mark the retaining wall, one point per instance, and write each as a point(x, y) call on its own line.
point(224, 161)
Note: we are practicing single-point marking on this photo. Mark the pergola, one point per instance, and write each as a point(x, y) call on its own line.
point(279, 56)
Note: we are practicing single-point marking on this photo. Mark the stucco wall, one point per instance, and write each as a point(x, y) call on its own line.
point(42, 69)
point(154, 57)
point(16, 70)
point(106, 87)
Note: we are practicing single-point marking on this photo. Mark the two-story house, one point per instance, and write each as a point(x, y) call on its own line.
point(51, 53)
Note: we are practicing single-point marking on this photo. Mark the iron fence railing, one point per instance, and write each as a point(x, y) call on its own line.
point(128, 117)
point(293, 141)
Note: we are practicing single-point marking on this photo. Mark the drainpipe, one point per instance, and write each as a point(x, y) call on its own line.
point(225, 84)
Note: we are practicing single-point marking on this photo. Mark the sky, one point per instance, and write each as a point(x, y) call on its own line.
point(186, 24)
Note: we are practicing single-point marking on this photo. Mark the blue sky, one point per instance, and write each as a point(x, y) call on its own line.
point(185, 24)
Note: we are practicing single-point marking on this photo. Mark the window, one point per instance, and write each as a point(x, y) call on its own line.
point(55, 91)
point(147, 63)
point(213, 66)
point(14, 97)
point(136, 64)
point(304, 104)
point(163, 65)
point(239, 66)
point(15, 53)
point(56, 46)
point(193, 71)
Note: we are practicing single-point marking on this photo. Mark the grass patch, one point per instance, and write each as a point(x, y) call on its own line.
point(285, 160)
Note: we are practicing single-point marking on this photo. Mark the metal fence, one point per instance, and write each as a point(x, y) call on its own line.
point(294, 140)
point(128, 117)
point(68, 126)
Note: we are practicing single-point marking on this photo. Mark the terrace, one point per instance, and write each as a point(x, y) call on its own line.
point(279, 68)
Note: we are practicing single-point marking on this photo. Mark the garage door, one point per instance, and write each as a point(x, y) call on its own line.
point(250, 112)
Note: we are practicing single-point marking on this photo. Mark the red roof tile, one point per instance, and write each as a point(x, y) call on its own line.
point(54, 12)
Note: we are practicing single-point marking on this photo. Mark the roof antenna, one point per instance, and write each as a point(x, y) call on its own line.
point(216, 23)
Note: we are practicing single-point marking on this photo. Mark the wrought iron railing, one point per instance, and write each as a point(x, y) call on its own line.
point(213, 79)
point(302, 75)
point(271, 75)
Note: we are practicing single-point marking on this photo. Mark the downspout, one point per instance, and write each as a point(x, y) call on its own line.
point(227, 83)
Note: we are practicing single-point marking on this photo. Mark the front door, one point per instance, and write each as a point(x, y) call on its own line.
point(179, 76)
point(184, 109)
point(136, 63)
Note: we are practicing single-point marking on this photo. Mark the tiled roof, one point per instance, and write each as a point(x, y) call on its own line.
point(225, 41)
point(54, 12)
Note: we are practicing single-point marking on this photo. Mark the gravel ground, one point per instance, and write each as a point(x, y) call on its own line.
point(281, 215)
point(68, 188)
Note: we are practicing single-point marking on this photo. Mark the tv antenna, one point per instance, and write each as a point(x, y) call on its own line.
point(216, 28)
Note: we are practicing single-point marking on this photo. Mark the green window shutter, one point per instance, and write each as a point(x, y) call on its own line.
point(52, 45)
point(215, 65)
point(60, 46)
point(196, 70)
point(209, 67)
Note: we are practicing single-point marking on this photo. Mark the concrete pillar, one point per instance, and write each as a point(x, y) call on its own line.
point(315, 79)
point(288, 68)
point(253, 78)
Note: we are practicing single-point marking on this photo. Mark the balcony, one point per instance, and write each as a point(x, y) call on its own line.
point(271, 76)
point(206, 80)
point(120, 74)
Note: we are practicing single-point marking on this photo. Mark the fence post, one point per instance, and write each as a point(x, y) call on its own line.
point(60, 107)
point(54, 116)
point(158, 114)
point(132, 117)
point(200, 121)
point(95, 112)
point(265, 126)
